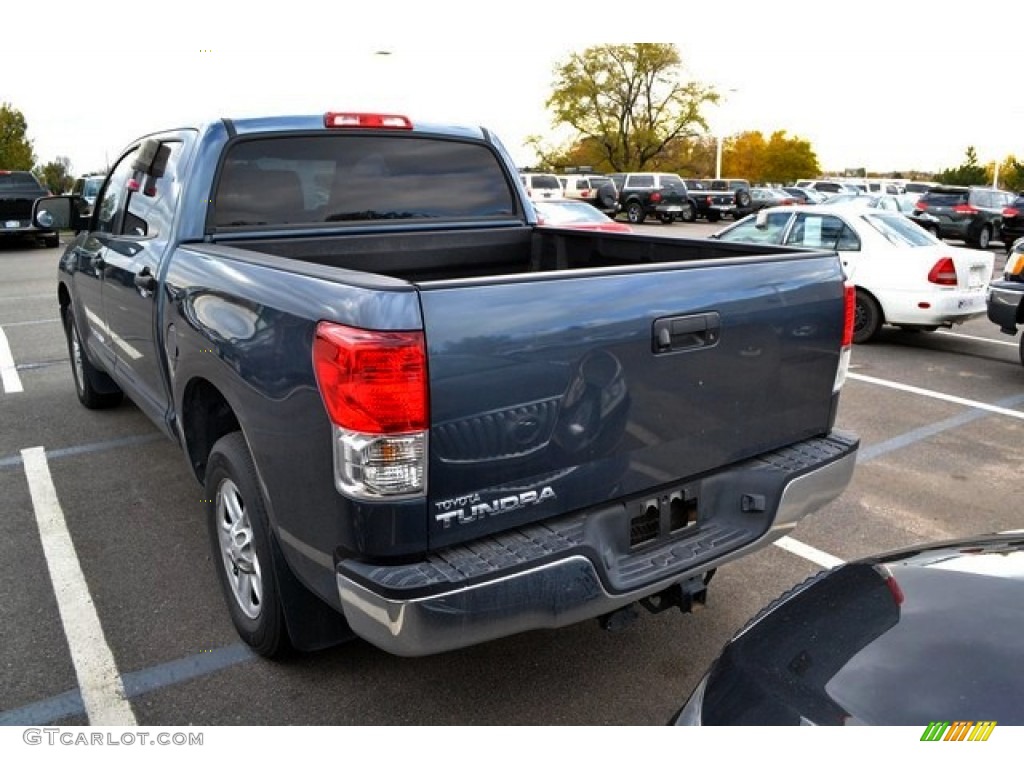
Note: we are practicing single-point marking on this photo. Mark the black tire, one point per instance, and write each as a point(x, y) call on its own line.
point(1022, 349)
point(689, 212)
point(867, 318)
point(666, 218)
point(742, 198)
point(983, 239)
point(240, 538)
point(94, 388)
point(635, 213)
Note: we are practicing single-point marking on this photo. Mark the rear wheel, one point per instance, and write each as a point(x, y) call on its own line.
point(635, 213)
point(867, 318)
point(983, 239)
point(742, 198)
point(689, 213)
point(94, 388)
point(240, 537)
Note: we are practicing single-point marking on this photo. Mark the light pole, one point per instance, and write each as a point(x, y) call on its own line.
point(719, 138)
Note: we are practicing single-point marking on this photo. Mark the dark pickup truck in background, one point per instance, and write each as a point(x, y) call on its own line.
point(18, 191)
point(660, 195)
point(424, 420)
point(1005, 299)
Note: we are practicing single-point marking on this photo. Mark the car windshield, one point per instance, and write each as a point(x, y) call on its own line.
point(92, 187)
point(842, 199)
point(567, 213)
point(19, 182)
point(900, 231)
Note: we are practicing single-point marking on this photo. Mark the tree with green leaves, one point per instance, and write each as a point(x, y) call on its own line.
point(627, 105)
point(15, 148)
point(968, 174)
point(1011, 174)
point(56, 175)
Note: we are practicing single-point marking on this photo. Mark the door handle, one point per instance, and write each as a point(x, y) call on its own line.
point(145, 280)
point(682, 332)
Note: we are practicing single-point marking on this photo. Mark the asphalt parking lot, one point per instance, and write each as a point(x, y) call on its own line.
point(940, 418)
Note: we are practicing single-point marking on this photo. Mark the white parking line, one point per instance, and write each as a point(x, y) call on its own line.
point(98, 679)
point(8, 372)
point(937, 395)
point(977, 338)
point(807, 552)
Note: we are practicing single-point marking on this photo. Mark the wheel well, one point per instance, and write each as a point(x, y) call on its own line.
point(872, 296)
point(63, 299)
point(206, 417)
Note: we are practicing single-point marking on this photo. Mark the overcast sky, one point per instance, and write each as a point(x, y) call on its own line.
point(895, 85)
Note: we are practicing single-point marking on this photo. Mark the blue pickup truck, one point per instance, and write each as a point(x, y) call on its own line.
point(422, 419)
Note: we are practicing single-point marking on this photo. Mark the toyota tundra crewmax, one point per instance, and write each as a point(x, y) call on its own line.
point(419, 418)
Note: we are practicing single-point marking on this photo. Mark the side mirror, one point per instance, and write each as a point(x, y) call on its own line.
point(60, 212)
point(762, 219)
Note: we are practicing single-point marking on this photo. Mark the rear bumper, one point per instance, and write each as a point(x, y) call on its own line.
point(577, 567)
point(945, 308)
point(1004, 304)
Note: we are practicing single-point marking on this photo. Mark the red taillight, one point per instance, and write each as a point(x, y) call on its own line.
point(850, 313)
point(586, 192)
point(366, 120)
point(921, 206)
point(1010, 212)
point(373, 382)
point(655, 197)
point(965, 208)
point(943, 273)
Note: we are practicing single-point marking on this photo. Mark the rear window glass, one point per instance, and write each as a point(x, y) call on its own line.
point(900, 231)
point(543, 182)
point(345, 178)
point(946, 197)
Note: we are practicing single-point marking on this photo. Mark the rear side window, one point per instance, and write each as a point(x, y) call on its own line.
point(345, 178)
point(813, 230)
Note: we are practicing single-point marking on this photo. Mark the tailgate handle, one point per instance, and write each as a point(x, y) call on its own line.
point(673, 334)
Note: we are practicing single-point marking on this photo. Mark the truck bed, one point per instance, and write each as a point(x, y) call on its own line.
point(430, 255)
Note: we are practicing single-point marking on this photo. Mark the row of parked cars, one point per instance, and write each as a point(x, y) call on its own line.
point(858, 644)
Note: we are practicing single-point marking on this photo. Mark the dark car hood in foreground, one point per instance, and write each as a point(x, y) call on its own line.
point(930, 634)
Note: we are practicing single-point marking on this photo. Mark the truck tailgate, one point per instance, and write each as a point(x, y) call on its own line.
point(554, 392)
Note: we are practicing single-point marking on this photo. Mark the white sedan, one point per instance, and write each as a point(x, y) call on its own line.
point(904, 276)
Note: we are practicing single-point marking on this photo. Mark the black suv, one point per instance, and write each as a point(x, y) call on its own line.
point(18, 190)
point(652, 193)
point(971, 214)
point(1013, 221)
